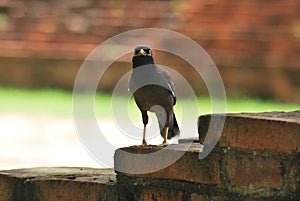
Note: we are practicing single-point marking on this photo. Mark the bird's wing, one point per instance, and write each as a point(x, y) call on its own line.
point(168, 80)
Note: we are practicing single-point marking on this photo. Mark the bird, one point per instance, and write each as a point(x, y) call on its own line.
point(153, 90)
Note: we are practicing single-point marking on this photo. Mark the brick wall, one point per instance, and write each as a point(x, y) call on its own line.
point(249, 40)
point(257, 158)
point(236, 170)
point(50, 184)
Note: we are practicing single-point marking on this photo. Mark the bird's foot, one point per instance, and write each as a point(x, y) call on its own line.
point(144, 143)
point(164, 143)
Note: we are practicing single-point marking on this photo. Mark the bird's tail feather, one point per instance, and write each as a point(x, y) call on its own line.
point(173, 127)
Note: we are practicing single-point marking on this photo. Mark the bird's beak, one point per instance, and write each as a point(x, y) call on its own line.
point(142, 52)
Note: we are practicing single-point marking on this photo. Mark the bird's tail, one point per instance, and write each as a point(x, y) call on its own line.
point(173, 127)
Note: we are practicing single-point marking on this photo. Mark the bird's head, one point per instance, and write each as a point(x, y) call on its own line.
point(142, 56)
point(142, 50)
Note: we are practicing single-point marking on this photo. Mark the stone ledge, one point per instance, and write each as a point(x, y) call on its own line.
point(234, 170)
point(166, 190)
point(61, 172)
point(274, 131)
point(225, 174)
point(186, 165)
point(60, 183)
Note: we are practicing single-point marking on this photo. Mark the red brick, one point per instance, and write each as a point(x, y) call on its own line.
point(294, 175)
point(253, 172)
point(156, 194)
point(6, 189)
point(199, 197)
point(255, 35)
point(51, 184)
point(67, 190)
point(277, 131)
point(187, 168)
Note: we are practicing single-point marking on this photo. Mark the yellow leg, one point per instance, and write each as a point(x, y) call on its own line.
point(166, 130)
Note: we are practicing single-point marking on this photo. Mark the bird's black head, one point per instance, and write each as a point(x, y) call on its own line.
point(142, 56)
point(143, 50)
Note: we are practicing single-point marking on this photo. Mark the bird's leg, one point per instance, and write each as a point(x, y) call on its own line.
point(145, 122)
point(166, 129)
point(165, 132)
point(144, 143)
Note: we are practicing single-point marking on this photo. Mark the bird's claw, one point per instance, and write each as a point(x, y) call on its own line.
point(144, 143)
point(164, 143)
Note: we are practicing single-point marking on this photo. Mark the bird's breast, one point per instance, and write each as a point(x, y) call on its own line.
point(148, 96)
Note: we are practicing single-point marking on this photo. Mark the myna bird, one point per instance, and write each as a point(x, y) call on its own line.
point(153, 90)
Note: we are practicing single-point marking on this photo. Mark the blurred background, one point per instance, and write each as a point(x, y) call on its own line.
point(255, 45)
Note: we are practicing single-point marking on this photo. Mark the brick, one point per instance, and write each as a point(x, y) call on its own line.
point(160, 194)
point(275, 131)
point(253, 172)
point(199, 197)
point(69, 189)
point(6, 189)
point(144, 188)
point(270, 36)
point(63, 184)
point(28, 72)
point(11, 186)
point(294, 175)
point(186, 167)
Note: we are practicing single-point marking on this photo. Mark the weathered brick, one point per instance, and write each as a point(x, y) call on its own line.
point(248, 44)
point(186, 167)
point(69, 189)
point(155, 194)
point(63, 184)
point(12, 186)
point(277, 131)
point(294, 175)
point(6, 189)
point(253, 172)
point(199, 197)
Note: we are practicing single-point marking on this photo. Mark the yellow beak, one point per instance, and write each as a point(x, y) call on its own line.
point(142, 52)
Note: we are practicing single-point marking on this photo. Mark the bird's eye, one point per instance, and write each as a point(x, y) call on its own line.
point(148, 51)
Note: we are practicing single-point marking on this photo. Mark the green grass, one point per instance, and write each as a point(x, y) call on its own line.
point(47, 102)
point(252, 105)
point(59, 103)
